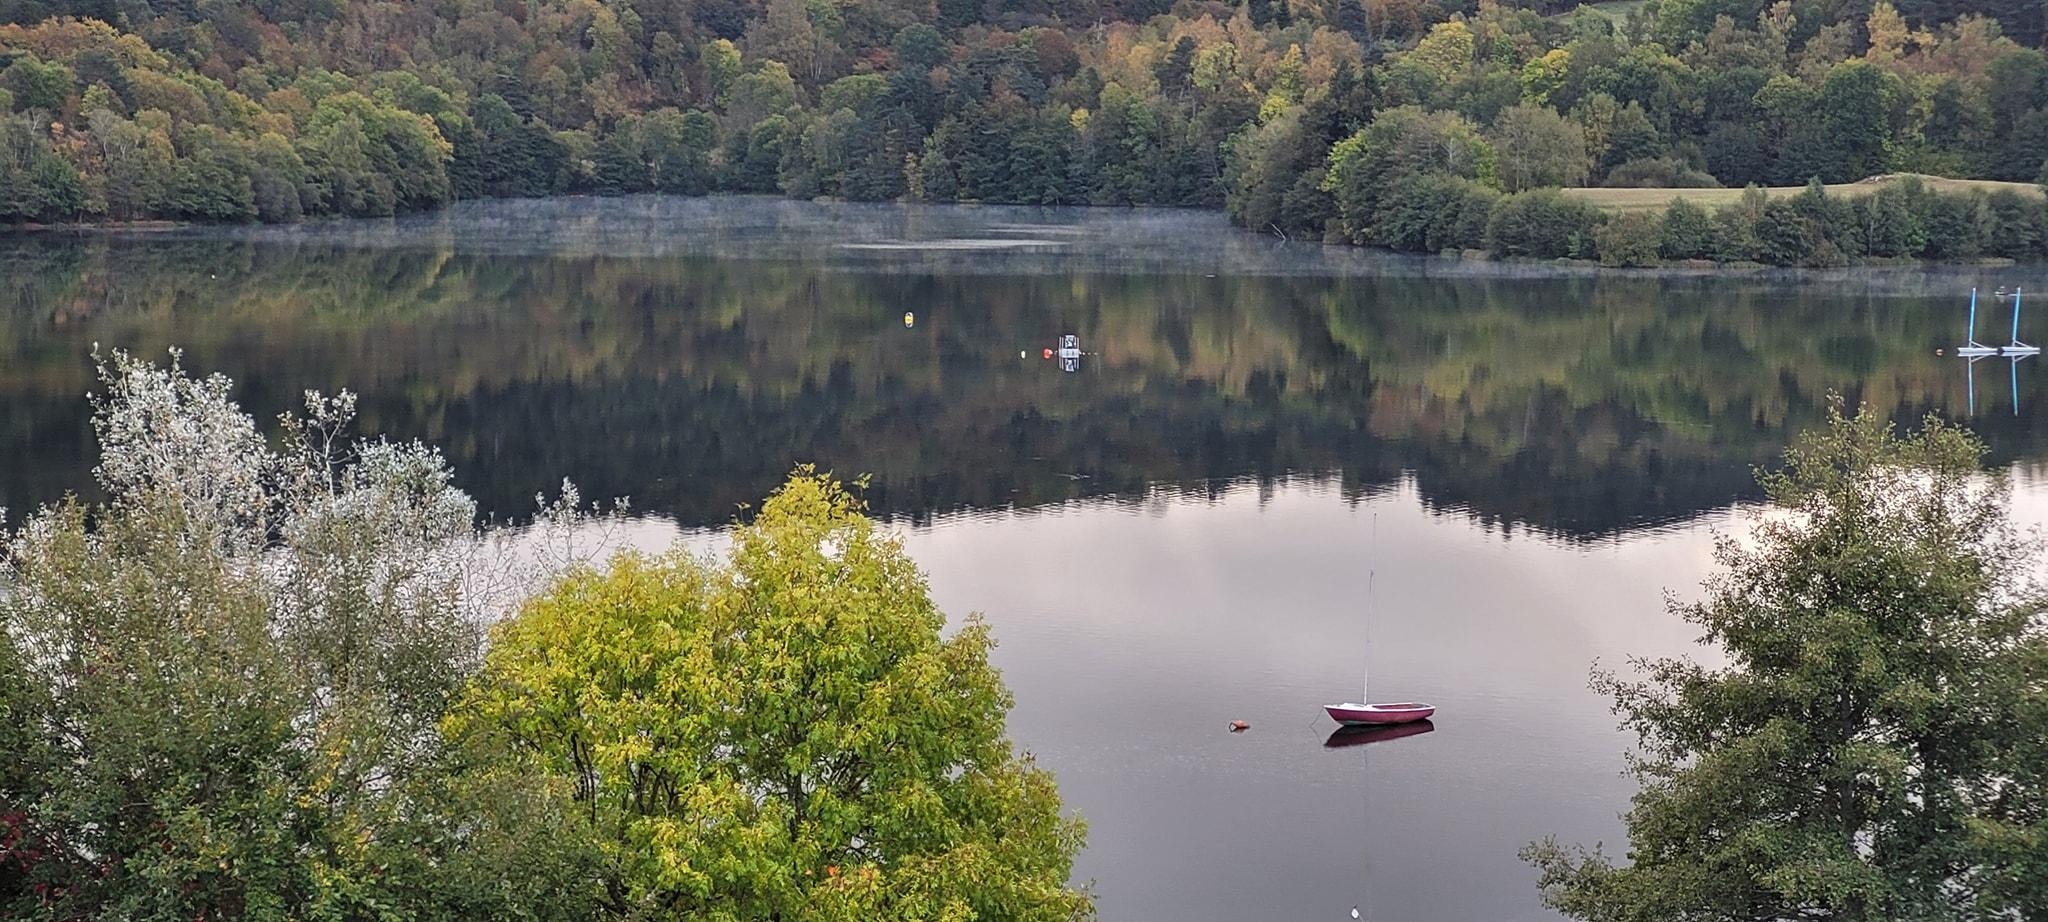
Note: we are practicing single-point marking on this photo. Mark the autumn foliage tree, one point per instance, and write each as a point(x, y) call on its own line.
point(785, 735)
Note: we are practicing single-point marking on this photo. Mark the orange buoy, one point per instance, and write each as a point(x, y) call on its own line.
point(1048, 353)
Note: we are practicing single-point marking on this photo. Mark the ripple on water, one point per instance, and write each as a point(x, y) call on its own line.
point(955, 243)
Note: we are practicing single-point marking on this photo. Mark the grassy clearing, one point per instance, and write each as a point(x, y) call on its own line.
point(1616, 10)
point(1659, 199)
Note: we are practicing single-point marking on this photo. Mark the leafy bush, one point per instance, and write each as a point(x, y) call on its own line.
point(1953, 229)
point(1543, 224)
point(1659, 173)
point(1687, 232)
point(1630, 239)
point(1433, 213)
point(1784, 236)
point(1891, 224)
point(2014, 226)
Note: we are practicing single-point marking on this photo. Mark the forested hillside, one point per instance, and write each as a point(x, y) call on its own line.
point(1416, 124)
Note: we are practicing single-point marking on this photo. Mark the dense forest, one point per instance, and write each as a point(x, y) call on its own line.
point(1422, 125)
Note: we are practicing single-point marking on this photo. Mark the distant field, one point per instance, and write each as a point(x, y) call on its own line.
point(1617, 10)
point(1659, 199)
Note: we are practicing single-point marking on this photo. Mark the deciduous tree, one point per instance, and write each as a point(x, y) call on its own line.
point(786, 735)
point(1863, 753)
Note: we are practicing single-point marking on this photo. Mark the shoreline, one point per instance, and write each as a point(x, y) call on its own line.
point(1476, 261)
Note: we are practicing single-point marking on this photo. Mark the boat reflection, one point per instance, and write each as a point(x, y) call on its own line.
point(1970, 382)
point(1359, 736)
point(1973, 351)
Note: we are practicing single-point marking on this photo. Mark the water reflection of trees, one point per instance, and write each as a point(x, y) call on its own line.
point(1577, 405)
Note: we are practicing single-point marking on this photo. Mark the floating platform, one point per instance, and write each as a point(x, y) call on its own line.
point(1973, 349)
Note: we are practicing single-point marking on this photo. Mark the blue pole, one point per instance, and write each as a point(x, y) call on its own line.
point(1973, 319)
point(2015, 314)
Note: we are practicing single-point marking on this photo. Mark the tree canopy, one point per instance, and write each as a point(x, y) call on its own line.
point(1872, 748)
point(785, 736)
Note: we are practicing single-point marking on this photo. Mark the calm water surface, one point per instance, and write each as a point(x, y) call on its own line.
point(1274, 465)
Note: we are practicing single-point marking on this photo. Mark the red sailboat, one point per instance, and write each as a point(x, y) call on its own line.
point(1352, 714)
point(1359, 714)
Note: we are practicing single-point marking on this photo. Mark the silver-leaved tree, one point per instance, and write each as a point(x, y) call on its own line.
point(222, 684)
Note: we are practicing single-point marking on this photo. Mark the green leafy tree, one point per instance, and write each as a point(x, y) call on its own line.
point(1535, 147)
point(1400, 143)
point(1434, 212)
point(761, 93)
point(1629, 239)
point(619, 165)
point(1784, 236)
point(1543, 224)
point(1860, 755)
point(1857, 105)
point(719, 60)
point(1659, 173)
point(1891, 221)
point(1271, 181)
point(760, 154)
point(211, 185)
point(1122, 148)
point(1955, 229)
point(788, 735)
point(35, 183)
point(1688, 232)
point(680, 145)
point(37, 84)
point(517, 156)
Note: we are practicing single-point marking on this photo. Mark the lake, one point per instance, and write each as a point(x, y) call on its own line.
point(1272, 466)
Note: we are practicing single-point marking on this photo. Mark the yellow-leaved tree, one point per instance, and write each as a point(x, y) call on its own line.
point(788, 734)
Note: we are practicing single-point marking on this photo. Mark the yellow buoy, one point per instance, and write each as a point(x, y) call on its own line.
point(909, 319)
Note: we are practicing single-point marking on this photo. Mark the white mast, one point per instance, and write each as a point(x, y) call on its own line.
point(1365, 673)
point(1371, 550)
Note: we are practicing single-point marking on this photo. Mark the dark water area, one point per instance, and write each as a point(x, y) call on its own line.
point(1273, 464)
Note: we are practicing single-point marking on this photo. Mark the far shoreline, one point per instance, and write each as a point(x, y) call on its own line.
point(1475, 262)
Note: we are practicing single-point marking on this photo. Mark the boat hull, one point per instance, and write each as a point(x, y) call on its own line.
point(1367, 715)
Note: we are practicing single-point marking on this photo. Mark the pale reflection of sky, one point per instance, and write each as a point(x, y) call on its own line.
point(1132, 639)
